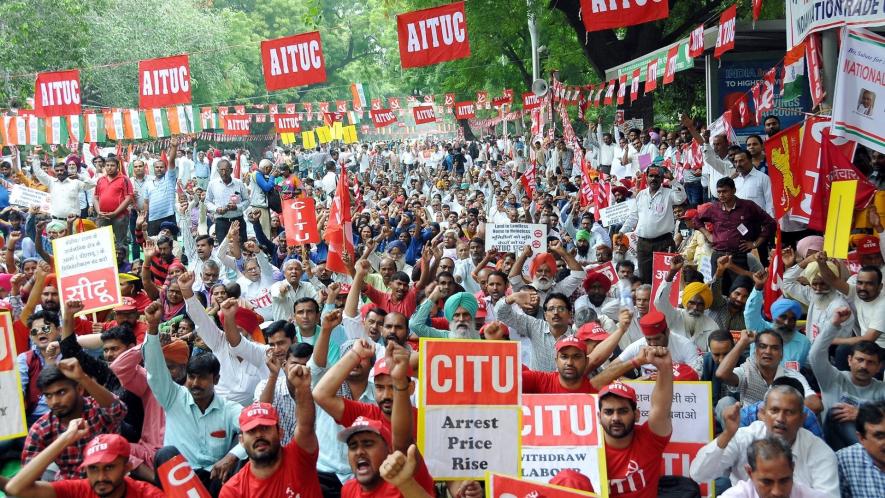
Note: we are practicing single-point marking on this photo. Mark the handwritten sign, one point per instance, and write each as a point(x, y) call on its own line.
point(562, 431)
point(29, 197)
point(616, 214)
point(513, 237)
point(12, 403)
point(86, 267)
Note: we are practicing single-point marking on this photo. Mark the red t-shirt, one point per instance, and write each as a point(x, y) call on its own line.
point(354, 409)
point(352, 488)
point(534, 382)
point(633, 472)
point(111, 193)
point(295, 477)
point(80, 488)
point(407, 306)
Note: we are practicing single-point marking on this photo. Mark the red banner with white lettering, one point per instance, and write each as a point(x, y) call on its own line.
point(291, 61)
point(530, 101)
point(599, 15)
point(287, 123)
point(235, 124)
point(452, 376)
point(660, 268)
point(725, 38)
point(670, 68)
point(696, 42)
point(164, 82)
point(383, 117)
point(179, 480)
point(300, 221)
point(464, 110)
point(57, 94)
point(434, 35)
point(423, 114)
point(815, 78)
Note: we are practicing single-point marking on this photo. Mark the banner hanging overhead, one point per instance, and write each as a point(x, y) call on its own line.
point(287, 123)
point(434, 35)
point(291, 61)
point(57, 93)
point(859, 97)
point(725, 38)
point(464, 110)
point(164, 82)
point(423, 114)
point(237, 125)
point(810, 16)
point(383, 117)
point(598, 15)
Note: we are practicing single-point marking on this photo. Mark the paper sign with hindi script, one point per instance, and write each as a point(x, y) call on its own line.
point(86, 267)
point(512, 237)
point(28, 197)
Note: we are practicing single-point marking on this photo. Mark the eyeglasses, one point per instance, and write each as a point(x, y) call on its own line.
point(556, 309)
point(44, 329)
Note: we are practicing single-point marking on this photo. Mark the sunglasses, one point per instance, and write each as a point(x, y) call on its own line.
point(44, 329)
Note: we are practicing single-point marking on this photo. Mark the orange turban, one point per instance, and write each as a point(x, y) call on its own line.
point(50, 280)
point(543, 259)
point(177, 352)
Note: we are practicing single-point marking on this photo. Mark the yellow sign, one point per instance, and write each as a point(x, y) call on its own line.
point(336, 131)
point(324, 134)
point(839, 216)
point(348, 134)
point(287, 138)
point(308, 139)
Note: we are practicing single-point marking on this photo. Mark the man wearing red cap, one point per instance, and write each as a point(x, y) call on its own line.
point(869, 253)
point(105, 460)
point(655, 332)
point(633, 452)
point(273, 469)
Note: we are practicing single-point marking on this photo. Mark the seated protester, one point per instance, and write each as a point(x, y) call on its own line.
point(44, 350)
point(820, 297)
point(844, 392)
point(815, 462)
point(770, 468)
point(728, 312)
point(719, 343)
point(460, 311)
point(542, 272)
point(399, 470)
point(750, 413)
point(597, 287)
point(105, 461)
point(786, 312)
point(862, 465)
point(285, 293)
point(238, 377)
point(654, 328)
point(64, 386)
point(642, 302)
point(754, 377)
point(127, 315)
point(542, 333)
point(600, 344)
point(370, 440)
point(866, 297)
point(632, 449)
point(402, 297)
point(690, 321)
point(200, 425)
point(275, 469)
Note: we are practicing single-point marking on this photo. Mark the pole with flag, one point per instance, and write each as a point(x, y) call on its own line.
point(339, 230)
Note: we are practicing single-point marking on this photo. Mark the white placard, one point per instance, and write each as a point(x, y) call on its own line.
point(616, 214)
point(810, 16)
point(859, 98)
point(27, 197)
point(513, 237)
point(86, 267)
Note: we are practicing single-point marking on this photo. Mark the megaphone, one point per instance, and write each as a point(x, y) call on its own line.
point(540, 87)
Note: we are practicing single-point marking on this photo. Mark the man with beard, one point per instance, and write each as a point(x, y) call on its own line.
point(782, 416)
point(543, 334)
point(105, 462)
point(651, 216)
point(460, 311)
point(656, 333)
point(844, 392)
point(689, 321)
point(582, 247)
point(64, 188)
point(820, 297)
point(275, 469)
point(755, 376)
point(866, 296)
point(496, 287)
point(542, 271)
point(728, 312)
point(200, 425)
point(465, 267)
point(633, 452)
point(64, 387)
point(786, 314)
point(597, 286)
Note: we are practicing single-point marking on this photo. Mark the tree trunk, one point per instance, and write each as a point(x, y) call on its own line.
point(468, 133)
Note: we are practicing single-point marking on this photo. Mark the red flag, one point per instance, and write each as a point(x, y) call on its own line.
point(609, 92)
point(382, 117)
point(835, 167)
point(339, 231)
point(696, 42)
point(651, 76)
point(782, 152)
point(772, 290)
point(57, 94)
point(179, 480)
point(600, 15)
point(300, 221)
point(601, 194)
point(528, 180)
point(634, 86)
point(815, 78)
point(725, 39)
point(586, 185)
point(742, 117)
point(670, 68)
point(433, 35)
point(757, 9)
point(622, 88)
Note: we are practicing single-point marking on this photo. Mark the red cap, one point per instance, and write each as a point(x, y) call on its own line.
point(592, 331)
point(690, 214)
point(682, 371)
point(653, 323)
point(382, 368)
point(363, 424)
point(128, 305)
point(258, 414)
point(620, 390)
point(344, 290)
point(868, 245)
point(105, 448)
point(573, 341)
point(571, 478)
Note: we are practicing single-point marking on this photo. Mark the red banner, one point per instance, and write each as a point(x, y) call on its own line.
point(502, 486)
point(464, 110)
point(236, 124)
point(609, 92)
point(434, 35)
point(670, 68)
point(341, 105)
point(834, 166)
point(450, 100)
point(287, 123)
point(382, 117)
point(815, 76)
point(57, 94)
point(782, 151)
point(295, 60)
point(394, 103)
point(530, 101)
point(423, 114)
point(634, 85)
point(599, 15)
point(179, 480)
point(452, 376)
point(696, 42)
point(164, 82)
point(660, 267)
point(622, 88)
point(651, 76)
point(725, 38)
point(740, 112)
point(300, 221)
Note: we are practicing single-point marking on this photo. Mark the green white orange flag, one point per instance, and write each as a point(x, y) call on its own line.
point(795, 78)
point(157, 122)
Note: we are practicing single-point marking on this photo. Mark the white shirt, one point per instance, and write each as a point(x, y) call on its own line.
point(681, 349)
point(870, 315)
point(756, 187)
point(715, 168)
point(329, 182)
point(283, 306)
point(815, 462)
point(65, 194)
point(745, 489)
point(652, 214)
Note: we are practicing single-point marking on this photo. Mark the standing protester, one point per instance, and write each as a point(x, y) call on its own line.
point(227, 198)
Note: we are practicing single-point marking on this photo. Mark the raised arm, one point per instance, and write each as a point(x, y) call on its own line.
point(325, 392)
point(659, 420)
point(828, 276)
point(604, 349)
point(298, 380)
point(725, 371)
point(26, 483)
point(401, 415)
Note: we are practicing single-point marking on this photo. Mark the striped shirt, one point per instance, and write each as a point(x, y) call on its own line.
point(161, 196)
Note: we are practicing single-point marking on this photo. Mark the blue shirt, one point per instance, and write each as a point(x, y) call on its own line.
point(795, 350)
point(859, 476)
point(161, 198)
point(202, 437)
point(750, 414)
